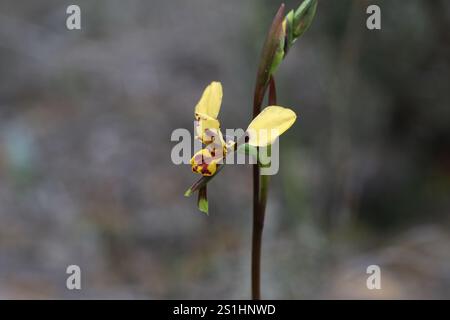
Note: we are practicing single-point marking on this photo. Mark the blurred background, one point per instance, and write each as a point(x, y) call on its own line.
point(86, 176)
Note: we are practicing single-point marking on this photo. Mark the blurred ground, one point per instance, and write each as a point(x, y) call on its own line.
point(86, 176)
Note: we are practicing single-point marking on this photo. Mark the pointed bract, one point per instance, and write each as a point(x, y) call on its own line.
point(202, 202)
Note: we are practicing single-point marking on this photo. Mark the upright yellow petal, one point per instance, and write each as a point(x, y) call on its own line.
point(210, 101)
point(207, 128)
point(272, 122)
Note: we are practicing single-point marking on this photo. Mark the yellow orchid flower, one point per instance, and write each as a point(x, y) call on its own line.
point(272, 122)
point(262, 131)
point(207, 128)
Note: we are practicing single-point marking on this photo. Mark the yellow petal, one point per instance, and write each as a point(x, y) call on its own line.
point(204, 163)
point(210, 101)
point(272, 122)
point(207, 128)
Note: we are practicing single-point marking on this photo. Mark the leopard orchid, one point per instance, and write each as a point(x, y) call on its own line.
point(262, 131)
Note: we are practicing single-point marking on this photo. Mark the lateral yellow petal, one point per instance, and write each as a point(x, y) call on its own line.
point(272, 122)
point(210, 101)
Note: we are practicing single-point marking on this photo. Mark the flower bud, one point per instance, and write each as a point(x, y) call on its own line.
point(302, 18)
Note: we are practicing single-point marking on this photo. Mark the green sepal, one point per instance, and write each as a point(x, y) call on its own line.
point(202, 202)
point(278, 57)
point(289, 31)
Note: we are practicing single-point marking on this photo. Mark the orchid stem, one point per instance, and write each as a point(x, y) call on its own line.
point(258, 224)
point(260, 190)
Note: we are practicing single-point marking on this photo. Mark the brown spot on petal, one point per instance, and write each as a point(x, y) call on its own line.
point(205, 170)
